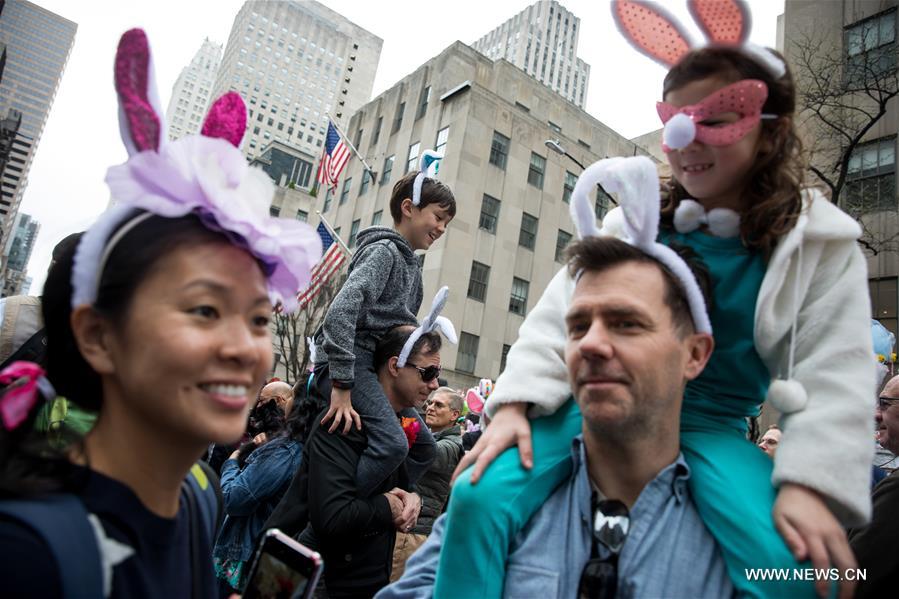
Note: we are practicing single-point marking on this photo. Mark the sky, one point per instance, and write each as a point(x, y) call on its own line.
point(81, 139)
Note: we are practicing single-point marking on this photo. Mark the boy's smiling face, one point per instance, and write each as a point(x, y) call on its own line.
point(423, 226)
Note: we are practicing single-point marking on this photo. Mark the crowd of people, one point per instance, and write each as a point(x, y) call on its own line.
point(146, 450)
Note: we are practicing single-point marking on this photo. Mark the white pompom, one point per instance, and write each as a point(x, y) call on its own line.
point(788, 396)
point(679, 132)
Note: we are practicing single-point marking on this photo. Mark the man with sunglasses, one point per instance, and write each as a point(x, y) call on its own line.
point(325, 509)
point(623, 524)
point(874, 545)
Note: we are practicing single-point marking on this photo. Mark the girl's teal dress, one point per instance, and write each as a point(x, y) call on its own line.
point(730, 477)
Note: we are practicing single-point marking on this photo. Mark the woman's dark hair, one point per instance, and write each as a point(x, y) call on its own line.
point(772, 197)
point(28, 463)
point(432, 192)
point(265, 418)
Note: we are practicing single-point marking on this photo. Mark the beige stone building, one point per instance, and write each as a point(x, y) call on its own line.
point(859, 32)
point(491, 120)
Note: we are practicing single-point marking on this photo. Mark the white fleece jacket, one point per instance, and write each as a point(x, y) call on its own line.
point(826, 446)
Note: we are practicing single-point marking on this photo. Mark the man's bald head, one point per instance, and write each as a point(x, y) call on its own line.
point(280, 392)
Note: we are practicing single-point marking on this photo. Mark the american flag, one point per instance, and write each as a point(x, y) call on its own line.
point(331, 261)
point(335, 155)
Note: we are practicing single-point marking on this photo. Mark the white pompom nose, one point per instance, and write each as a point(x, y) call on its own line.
point(679, 132)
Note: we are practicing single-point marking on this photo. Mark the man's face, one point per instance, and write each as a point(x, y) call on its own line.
point(887, 416)
point(438, 415)
point(769, 441)
point(411, 391)
point(627, 364)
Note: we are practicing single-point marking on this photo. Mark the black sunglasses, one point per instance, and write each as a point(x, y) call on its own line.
point(599, 578)
point(427, 374)
point(884, 403)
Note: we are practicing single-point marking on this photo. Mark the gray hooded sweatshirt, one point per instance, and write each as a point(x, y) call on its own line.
point(383, 291)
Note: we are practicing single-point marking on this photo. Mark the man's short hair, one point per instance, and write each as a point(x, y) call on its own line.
point(596, 254)
point(453, 398)
point(392, 344)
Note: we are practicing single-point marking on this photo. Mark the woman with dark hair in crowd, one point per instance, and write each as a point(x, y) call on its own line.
point(159, 322)
point(254, 478)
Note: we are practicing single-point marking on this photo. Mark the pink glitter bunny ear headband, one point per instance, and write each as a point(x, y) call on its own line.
point(205, 174)
point(25, 384)
point(657, 34)
point(636, 181)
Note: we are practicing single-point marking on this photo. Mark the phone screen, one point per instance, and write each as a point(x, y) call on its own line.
point(281, 570)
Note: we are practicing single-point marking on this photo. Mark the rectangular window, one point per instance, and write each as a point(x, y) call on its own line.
point(477, 282)
point(536, 170)
point(489, 214)
point(518, 301)
point(376, 134)
point(603, 203)
point(376, 218)
point(562, 241)
point(503, 356)
point(883, 302)
point(398, 118)
point(388, 168)
point(366, 179)
point(302, 216)
point(871, 47)
point(358, 139)
point(327, 200)
point(527, 237)
point(440, 145)
point(412, 162)
point(274, 210)
point(354, 229)
point(871, 177)
point(568, 187)
point(423, 102)
point(554, 127)
point(345, 192)
point(467, 358)
point(499, 150)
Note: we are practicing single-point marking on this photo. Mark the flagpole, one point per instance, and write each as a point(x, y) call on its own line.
point(334, 233)
point(353, 148)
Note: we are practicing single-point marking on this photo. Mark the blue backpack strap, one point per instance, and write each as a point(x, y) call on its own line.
point(61, 520)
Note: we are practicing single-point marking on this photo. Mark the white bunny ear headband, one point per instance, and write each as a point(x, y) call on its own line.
point(204, 174)
point(636, 181)
point(431, 322)
point(428, 158)
point(657, 34)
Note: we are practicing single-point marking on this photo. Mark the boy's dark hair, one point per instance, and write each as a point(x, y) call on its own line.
point(597, 254)
point(392, 344)
point(432, 192)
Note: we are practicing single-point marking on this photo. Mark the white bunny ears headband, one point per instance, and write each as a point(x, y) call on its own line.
point(428, 158)
point(657, 34)
point(636, 181)
point(431, 322)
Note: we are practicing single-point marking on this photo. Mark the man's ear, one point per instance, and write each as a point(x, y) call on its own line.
point(699, 349)
point(92, 332)
point(392, 367)
point(406, 207)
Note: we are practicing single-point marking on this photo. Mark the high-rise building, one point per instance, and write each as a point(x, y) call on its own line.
point(21, 241)
point(503, 135)
point(542, 40)
point(38, 44)
point(294, 63)
point(193, 91)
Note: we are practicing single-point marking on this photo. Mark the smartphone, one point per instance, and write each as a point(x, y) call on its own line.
point(282, 569)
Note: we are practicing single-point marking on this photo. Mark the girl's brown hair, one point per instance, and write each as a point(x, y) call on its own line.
point(772, 199)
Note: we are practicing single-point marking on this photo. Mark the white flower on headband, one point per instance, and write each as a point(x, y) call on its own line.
point(431, 322)
point(636, 182)
point(428, 158)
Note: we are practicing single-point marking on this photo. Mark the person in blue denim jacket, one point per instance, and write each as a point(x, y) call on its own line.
point(252, 488)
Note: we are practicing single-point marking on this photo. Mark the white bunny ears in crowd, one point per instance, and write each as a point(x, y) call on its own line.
point(431, 322)
point(657, 34)
point(636, 182)
point(428, 158)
